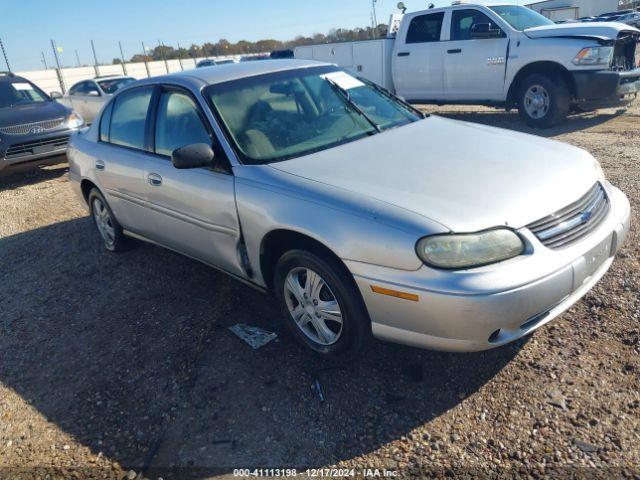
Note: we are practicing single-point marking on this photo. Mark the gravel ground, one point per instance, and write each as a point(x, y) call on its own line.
point(114, 364)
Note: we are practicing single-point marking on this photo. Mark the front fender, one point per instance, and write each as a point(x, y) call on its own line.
point(355, 228)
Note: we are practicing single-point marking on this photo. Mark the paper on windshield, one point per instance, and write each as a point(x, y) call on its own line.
point(343, 80)
point(22, 86)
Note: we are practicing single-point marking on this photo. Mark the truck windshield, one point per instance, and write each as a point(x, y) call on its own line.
point(20, 92)
point(288, 114)
point(521, 18)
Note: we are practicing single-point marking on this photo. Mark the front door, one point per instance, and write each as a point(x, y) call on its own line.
point(474, 68)
point(417, 62)
point(192, 211)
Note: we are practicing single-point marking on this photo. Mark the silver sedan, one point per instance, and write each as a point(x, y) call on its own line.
point(358, 213)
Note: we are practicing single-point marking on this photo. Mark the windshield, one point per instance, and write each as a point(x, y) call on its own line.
point(20, 92)
point(521, 18)
point(289, 114)
point(110, 86)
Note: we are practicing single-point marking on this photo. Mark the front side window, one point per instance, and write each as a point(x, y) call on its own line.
point(91, 89)
point(20, 92)
point(425, 28)
point(178, 123)
point(77, 89)
point(129, 116)
point(111, 86)
point(521, 18)
point(462, 22)
point(293, 113)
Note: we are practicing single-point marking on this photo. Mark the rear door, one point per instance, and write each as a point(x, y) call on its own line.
point(192, 211)
point(121, 155)
point(76, 97)
point(417, 62)
point(474, 69)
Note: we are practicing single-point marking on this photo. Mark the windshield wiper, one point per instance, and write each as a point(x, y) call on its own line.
point(390, 95)
point(347, 97)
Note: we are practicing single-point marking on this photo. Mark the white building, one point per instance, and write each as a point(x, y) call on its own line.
point(571, 9)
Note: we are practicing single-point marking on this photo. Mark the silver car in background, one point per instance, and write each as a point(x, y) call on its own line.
point(89, 96)
point(361, 215)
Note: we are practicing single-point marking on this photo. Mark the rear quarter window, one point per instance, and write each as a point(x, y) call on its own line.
point(105, 123)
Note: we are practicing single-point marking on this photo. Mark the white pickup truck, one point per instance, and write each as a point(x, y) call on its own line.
point(498, 55)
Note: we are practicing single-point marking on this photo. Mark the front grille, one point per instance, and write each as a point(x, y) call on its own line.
point(573, 222)
point(37, 147)
point(35, 127)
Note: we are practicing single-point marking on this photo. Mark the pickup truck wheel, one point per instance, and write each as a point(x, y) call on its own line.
point(106, 223)
point(321, 304)
point(543, 101)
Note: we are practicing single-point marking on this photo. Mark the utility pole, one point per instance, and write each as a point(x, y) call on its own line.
point(4, 53)
point(95, 59)
point(124, 66)
point(180, 57)
point(78, 58)
point(144, 55)
point(44, 61)
point(58, 70)
point(166, 64)
point(375, 17)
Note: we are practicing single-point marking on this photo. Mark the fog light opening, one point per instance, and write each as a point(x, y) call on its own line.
point(494, 336)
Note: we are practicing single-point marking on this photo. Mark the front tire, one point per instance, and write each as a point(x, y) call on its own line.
point(543, 101)
point(321, 304)
point(106, 223)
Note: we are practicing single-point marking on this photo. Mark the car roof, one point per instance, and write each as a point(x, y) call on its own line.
point(233, 71)
point(10, 77)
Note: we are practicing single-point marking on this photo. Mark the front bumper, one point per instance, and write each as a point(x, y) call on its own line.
point(487, 307)
point(604, 88)
point(20, 149)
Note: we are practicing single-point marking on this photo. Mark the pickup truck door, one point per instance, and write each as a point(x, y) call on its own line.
point(418, 57)
point(192, 211)
point(475, 61)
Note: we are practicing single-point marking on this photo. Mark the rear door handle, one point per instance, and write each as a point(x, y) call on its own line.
point(404, 54)
point(99, 165)
point(455, 50)
point(154, 179)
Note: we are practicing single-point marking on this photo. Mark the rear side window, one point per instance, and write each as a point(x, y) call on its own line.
point(425, 28)
point(462, 21)
point(129, 116)
point(105, 123)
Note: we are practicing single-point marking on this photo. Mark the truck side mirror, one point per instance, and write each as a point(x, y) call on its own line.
point(484, 30)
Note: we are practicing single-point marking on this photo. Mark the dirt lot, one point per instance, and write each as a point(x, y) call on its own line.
point(111, 363)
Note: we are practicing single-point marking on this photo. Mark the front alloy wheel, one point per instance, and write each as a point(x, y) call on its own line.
point(313, 306)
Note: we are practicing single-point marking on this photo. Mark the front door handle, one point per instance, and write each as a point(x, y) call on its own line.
point(455, 50)
point(404, 54)
point(99, 165)
point(154, 179)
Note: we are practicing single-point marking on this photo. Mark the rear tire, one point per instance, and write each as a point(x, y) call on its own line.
point(105, 221)
point(321, 304)
point(543, 101)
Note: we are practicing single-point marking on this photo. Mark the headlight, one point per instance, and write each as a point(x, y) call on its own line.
point(75, 120)
point(456, 251)
point(594, 56)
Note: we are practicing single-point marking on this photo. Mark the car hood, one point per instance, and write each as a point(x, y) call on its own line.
point(599, 30)
point(33, 112)
point(464, 176)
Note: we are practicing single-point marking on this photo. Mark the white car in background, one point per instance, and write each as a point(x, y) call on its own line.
point(88, 96)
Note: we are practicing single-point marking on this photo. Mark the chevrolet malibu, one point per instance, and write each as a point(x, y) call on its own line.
point(362, 216)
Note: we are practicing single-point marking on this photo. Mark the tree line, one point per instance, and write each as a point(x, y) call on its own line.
point(243, 47)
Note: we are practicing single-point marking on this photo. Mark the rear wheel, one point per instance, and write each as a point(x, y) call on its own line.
point(543, 101)
point(106, 223)
point(321, 304)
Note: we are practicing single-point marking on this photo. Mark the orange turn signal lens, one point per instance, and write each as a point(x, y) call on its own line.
point(395, 293)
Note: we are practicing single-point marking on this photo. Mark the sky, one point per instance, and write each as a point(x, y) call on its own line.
point(27, 26)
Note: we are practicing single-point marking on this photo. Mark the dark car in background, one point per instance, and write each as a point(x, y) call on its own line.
point(33, 126)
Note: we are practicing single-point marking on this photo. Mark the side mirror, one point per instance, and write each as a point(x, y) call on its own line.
point(193, 156)
point(93, 93)
point(55, 95)
point(484, 30)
